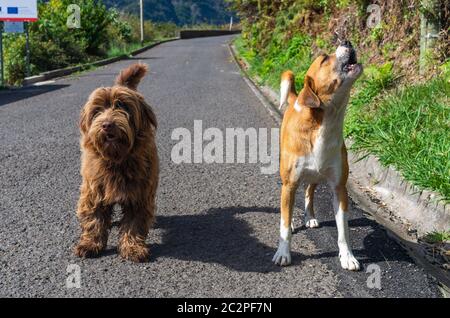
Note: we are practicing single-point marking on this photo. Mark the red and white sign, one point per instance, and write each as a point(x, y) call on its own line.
point(18, 10)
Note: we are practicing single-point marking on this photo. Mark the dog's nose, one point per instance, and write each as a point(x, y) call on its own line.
point(346, 53)
point(347, 44)
point(107, 125)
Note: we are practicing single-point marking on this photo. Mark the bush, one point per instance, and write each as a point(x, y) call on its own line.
point(95, 20)
point(14, 62)
point(53, 45)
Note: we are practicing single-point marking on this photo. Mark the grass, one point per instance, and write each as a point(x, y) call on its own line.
point(207, 26)
point(407, 128)
point(126, 49)
point(438, 237)
point(115, 51)
point(296, 57)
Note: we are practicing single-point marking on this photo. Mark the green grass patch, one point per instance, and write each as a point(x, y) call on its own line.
point(278, 57)
point(408, 129)
point(438, 237)
point(125, 48)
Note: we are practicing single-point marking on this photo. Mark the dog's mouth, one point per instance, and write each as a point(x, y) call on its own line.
point(111, 146)
point(349, 62)
point(352, 62)
point(351, 68)
point(110, 137)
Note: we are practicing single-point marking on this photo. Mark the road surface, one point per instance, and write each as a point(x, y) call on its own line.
point(217, 224)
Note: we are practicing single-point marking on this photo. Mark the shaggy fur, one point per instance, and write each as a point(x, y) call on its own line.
point(119, 165)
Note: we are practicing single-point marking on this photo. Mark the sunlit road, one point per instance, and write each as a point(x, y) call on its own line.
point(217, 224)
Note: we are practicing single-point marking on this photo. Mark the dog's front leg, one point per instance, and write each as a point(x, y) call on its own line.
point(283, 255)
point(348, 261)
point(95, 221)
point(134, 227)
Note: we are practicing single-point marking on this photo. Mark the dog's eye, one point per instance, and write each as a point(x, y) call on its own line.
point(95, 112)
point(325, 58)
point(332, 87)
point(121, 105)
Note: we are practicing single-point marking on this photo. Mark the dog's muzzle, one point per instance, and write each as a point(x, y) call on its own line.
point(347, 60)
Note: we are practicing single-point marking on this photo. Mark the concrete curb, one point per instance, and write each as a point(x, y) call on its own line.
point(45, 76)
point(419, 211)
point(190, 34)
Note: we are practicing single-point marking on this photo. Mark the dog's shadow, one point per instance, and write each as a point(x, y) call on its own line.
point(216, 236)
point(221, 236)
point(370, 241)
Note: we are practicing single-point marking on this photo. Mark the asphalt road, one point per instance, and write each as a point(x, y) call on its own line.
point(217, 224)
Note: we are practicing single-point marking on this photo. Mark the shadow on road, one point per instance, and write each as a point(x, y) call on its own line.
point(220, 236)
point(370, 241)
point(217, 236)
point(14, 95)
point(372, 245)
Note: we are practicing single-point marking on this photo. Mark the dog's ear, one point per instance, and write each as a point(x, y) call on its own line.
point(131, 76)
point(148, 116)
point(307, 97)
point(83, 124)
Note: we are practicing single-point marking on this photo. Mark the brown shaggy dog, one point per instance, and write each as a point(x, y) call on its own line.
point(119, 165)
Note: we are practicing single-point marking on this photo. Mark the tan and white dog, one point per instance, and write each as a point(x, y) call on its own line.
point(312, 148)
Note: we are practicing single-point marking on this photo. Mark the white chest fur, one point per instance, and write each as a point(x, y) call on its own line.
point(324, 163)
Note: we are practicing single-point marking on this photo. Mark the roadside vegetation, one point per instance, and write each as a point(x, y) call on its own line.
point(438, 237)
point(407, 128)
point(104, 32)
point(180, 12)
point(394, 113)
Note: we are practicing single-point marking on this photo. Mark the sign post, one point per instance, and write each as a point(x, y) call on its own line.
point(17, 11)
point(13, 27)
point(2, 75)
point(27, 45)
point(142, 20)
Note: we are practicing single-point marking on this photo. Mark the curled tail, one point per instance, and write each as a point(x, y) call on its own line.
point(132, 75)
point(287, 88)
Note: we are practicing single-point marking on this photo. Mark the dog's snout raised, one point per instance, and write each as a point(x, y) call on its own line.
point(342, 51)
point(107, 125)
point(347, 44)
point(346, 53)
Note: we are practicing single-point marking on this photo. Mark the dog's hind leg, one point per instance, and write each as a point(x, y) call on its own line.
point(311, 220)
point(134, 227)
point(95, 223)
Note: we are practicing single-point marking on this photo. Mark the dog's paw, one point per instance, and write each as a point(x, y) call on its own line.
point(135, 253)
point(312, 223)
point(348, 261)
point(88, 249)
point(283, 256)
